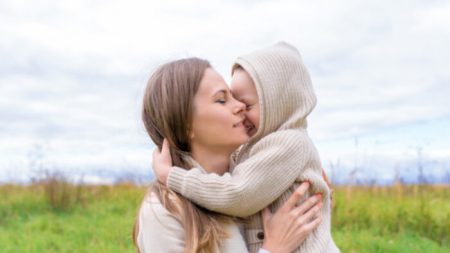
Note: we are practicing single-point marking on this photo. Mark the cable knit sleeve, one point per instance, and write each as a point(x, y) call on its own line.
point(272, 167)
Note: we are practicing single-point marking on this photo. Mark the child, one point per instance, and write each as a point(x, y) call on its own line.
point(276, 87)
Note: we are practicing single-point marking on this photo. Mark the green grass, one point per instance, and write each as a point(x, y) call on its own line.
point(392, 219)
point(364, 241)
point(103, 224)
point(100, 219)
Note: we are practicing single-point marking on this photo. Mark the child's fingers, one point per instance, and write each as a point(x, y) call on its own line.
point(165, 147)
point(155, 156)
point(155, 152)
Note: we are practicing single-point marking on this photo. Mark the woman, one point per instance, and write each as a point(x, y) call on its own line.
point(190, 105)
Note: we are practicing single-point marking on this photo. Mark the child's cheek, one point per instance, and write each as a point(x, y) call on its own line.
point(254, 117)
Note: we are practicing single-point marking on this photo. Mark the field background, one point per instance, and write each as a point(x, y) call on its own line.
point(59, 217)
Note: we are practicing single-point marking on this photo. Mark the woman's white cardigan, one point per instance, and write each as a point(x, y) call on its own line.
point(160, 232)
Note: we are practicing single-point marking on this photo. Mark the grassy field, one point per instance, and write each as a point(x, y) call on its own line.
point(69, 218)
point(392, 219)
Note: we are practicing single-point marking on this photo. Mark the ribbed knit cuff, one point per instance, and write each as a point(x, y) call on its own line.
point(175, 179)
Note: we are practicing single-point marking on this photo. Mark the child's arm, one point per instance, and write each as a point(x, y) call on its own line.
point(255, 183)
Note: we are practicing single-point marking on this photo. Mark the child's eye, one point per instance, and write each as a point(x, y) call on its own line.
point(248, 107)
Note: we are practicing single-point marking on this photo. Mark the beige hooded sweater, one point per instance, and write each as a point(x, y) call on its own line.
point(278, 157)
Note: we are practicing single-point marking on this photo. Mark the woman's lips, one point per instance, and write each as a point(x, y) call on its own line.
point(240, 123)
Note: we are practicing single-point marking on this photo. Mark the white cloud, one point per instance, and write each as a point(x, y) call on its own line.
point(75, 70)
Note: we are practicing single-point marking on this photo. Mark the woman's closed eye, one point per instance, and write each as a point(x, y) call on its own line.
point(221, 96)
point(221, 100)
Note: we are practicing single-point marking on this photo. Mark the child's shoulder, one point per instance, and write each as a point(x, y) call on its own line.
point(287, 134)
point(289, 138)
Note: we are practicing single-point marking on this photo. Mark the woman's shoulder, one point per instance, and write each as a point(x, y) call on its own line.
point(159, 230)
point(153, 209)
point(157, 226)
point(155, 218)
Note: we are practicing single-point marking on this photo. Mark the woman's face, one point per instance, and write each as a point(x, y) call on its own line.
point(217, 122)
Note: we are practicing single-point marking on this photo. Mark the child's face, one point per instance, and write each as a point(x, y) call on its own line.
point(244, 90)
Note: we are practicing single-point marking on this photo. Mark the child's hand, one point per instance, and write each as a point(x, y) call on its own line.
point(162, 162)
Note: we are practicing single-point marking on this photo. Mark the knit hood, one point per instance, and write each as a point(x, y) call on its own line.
point(283, 85)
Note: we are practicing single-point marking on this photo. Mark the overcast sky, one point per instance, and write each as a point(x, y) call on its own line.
point(72, 74)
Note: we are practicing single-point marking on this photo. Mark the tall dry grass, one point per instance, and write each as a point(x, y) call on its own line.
point(422, 209)
point(61, 193)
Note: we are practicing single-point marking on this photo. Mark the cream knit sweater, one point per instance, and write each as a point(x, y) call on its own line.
point(160, 232)
point(277, 159)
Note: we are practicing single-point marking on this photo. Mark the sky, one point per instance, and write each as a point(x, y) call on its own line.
point(72, 75)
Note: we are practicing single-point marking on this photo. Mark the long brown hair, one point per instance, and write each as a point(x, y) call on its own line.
point(167, 113)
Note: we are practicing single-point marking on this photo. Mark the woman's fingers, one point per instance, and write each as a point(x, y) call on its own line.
point(296, 196)
point(312, 212)
point(266, 214)
point(324, 175)
point(314, 223)
point(289, 226)
point(307, 204)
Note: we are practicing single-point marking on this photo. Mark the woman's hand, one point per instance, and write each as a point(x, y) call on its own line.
point(291, 224)
point(324, 175)
point(162, 162)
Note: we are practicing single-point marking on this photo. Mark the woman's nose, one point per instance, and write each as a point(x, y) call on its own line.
point(239, 107)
